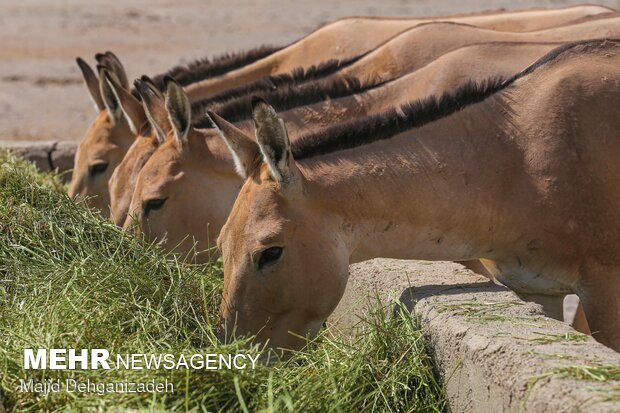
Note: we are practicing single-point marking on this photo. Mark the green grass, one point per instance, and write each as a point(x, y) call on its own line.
point(546, 338)
point(590, 372)
point(487, 312)
point(69, 279)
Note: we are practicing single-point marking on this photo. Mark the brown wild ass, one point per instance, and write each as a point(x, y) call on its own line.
point(446, 73)
point(353, 36)
point(523, 172)
point(108, 138)
point(105, 142)
point(476, 62)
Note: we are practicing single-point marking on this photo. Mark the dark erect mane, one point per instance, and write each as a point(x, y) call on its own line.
point(362, 131)
point(205, 68)
point(369, 129)
point(274, 82)
point(285, 98)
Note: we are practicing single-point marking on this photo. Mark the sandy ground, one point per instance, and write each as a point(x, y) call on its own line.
point(41, 93)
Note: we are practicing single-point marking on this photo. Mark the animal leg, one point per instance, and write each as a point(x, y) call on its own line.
point(553, 305)
point(600, 294)
point(579, 321)
point(476, 266)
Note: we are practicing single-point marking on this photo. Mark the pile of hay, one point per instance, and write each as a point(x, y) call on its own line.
point(69, 279)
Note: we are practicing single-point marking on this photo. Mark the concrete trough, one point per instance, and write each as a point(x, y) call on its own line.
point(494, 352)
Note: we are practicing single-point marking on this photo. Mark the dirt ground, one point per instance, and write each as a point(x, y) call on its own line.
point(41, 92)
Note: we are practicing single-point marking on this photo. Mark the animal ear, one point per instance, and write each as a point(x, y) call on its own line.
point(179, 111)
point(111, 102)
point(245, 152)
point(114, 65)
point(92, 83)
point(153, 86)
point(154, 107)
point(131, 107)
point(272, 139)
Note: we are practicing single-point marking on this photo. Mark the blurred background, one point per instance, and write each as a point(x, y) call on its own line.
point(41, 91)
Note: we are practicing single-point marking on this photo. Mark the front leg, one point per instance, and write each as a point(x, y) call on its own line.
point(553, 305)
point(599, 292)
point(579, 322)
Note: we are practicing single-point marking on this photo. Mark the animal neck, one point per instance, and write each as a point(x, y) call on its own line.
point(416, 195)
point(210, 148)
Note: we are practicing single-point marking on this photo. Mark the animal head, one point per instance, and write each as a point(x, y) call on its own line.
point(285, 266)
point(109, 136)
point(123, 180)
point(185, 190)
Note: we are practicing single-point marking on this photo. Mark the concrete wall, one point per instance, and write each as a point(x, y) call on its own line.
point(494, 352)
point(46, 155)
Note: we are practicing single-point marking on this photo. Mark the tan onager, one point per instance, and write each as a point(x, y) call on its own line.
point(109, 136)
point(476, 62)
point(523, 172)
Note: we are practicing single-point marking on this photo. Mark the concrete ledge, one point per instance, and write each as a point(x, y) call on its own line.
point(46, 155)
point(494, 352)
point(497, 353)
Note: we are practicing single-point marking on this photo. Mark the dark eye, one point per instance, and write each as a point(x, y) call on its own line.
point(98, 168)
point(269, 256)
point(153, 205)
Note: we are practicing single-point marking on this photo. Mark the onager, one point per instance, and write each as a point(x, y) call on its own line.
point(520, 171)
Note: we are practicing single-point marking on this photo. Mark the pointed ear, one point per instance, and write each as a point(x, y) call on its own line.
point(151, 84)
point(131, 107)
point(111, 102)
point(272, 139)
point(179, 111)
point(114, 65)
point(245, 152)
point(92, 83)
point(154, 108)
